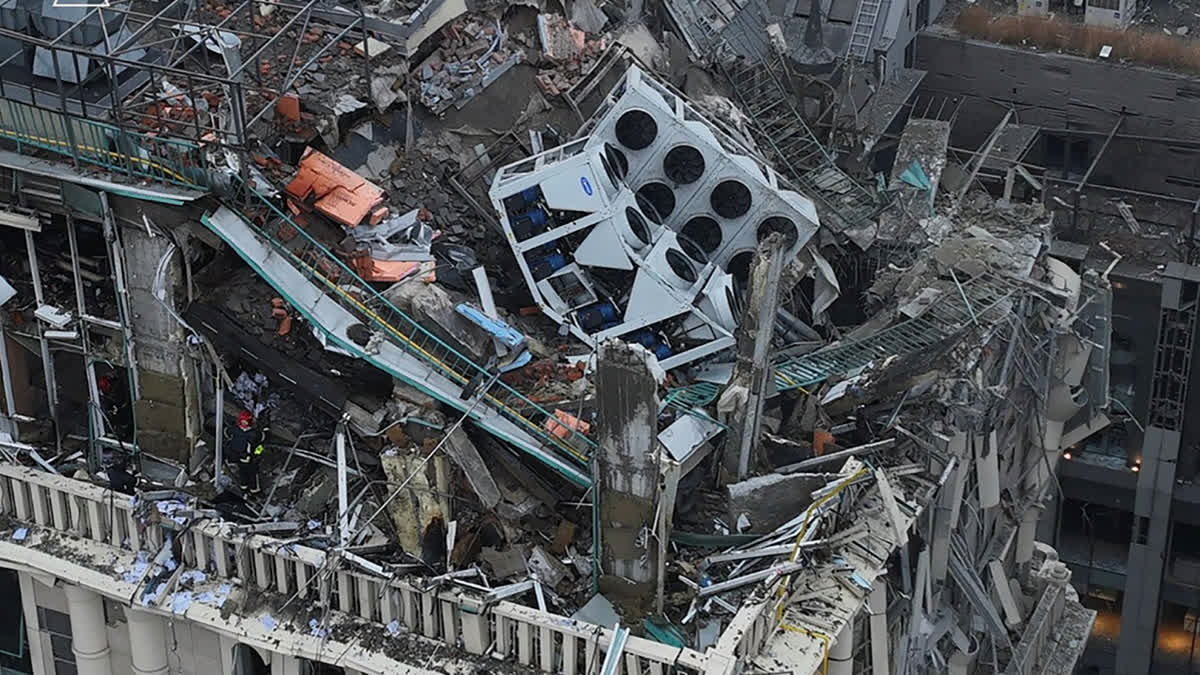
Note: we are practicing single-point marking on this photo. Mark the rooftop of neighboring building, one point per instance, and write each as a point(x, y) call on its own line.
point(1162, 34)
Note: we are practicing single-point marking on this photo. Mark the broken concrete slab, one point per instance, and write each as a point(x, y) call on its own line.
point(317, 493)
point(505, 564)
point(772, 500)
point(550, 570)
point(384, 93)
point(599, 611)
point(434, 308)
point(371, 47)
point(463, 453)
point(405, 392)
point(589, 18)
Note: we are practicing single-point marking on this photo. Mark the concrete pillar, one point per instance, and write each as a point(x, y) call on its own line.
point(167, 414)
point(841, 652)
point(228, 645)
point(38, 652)
point(628, 474)
point(147, 642)
point(743, 398)
point(474, 625)
point(1027, 535)
point(89, 639)
point(880, 639)
point(284, 664)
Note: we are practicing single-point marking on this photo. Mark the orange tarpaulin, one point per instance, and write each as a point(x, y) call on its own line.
point(568, 424)
point(338, 192)
point(371, 269)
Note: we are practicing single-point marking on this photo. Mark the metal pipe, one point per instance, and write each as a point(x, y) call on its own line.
point(270, 41)
point(44, 346)
point(5, 375)
point(343, 511)
point(218, 457)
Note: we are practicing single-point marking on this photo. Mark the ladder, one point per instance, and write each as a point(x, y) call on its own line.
point(864, 29)
point(779, 128)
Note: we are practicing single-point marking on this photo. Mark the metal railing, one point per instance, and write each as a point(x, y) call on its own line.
point(327, 271)
point(980, 301)
point(124, 153)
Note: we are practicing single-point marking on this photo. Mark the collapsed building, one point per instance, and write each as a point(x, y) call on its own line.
point(456, 337)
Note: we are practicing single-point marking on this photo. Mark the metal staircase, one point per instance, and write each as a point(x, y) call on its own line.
point(779, 129)
point(864, 29)
point(984, 306)
point(1173, 359)
point(334, 299)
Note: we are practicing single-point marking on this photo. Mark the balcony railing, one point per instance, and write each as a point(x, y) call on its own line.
point(457, 617)
point(90, 143)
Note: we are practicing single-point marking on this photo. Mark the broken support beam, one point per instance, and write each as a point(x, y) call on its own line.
point(753, 370)
point(840, 454)
point(752, 578)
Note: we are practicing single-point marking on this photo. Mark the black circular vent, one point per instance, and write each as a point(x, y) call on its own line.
point(782, 225)
point(615, 164)
point(637, 224)
point(692, 249)
point(704, 231)
point(660, 196)
point(730, 199)
point(683, 164)
point(636, 130)
point(681, 266)
point(739, 267)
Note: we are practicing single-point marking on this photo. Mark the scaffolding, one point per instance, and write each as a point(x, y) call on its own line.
point(169, 91)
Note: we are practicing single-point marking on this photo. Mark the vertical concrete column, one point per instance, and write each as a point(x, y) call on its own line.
point(147, 642)
point(167, 413)
point(743, 399)
point(628, 473)
point(89, 639)
point(880, 639)
point(38, 651)
point(1027, 534)
point(284, 664)
point(474, 625)
point(228, 644)
point(841, 652)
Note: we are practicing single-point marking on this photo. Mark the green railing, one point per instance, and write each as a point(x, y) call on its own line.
point(123, 153)
point(326, 270)
point(979, 301)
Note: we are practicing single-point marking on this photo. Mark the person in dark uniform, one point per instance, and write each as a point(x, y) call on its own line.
point(117, 412)
point(120, 477)
point(246, 446)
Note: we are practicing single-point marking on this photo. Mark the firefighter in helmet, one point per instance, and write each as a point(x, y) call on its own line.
point(246, 445)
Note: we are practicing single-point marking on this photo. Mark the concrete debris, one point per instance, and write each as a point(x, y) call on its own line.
point(474, 54)
point(463, 453)
point(549, 569)
point(770, 501)
point(682, 328)
point(434, 307)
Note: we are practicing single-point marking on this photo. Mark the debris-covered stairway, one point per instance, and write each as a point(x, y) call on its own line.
point(335, 300)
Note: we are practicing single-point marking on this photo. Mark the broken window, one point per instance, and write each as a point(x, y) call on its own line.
point(1064, 154)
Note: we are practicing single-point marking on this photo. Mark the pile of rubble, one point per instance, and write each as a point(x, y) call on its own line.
point(474, 53)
